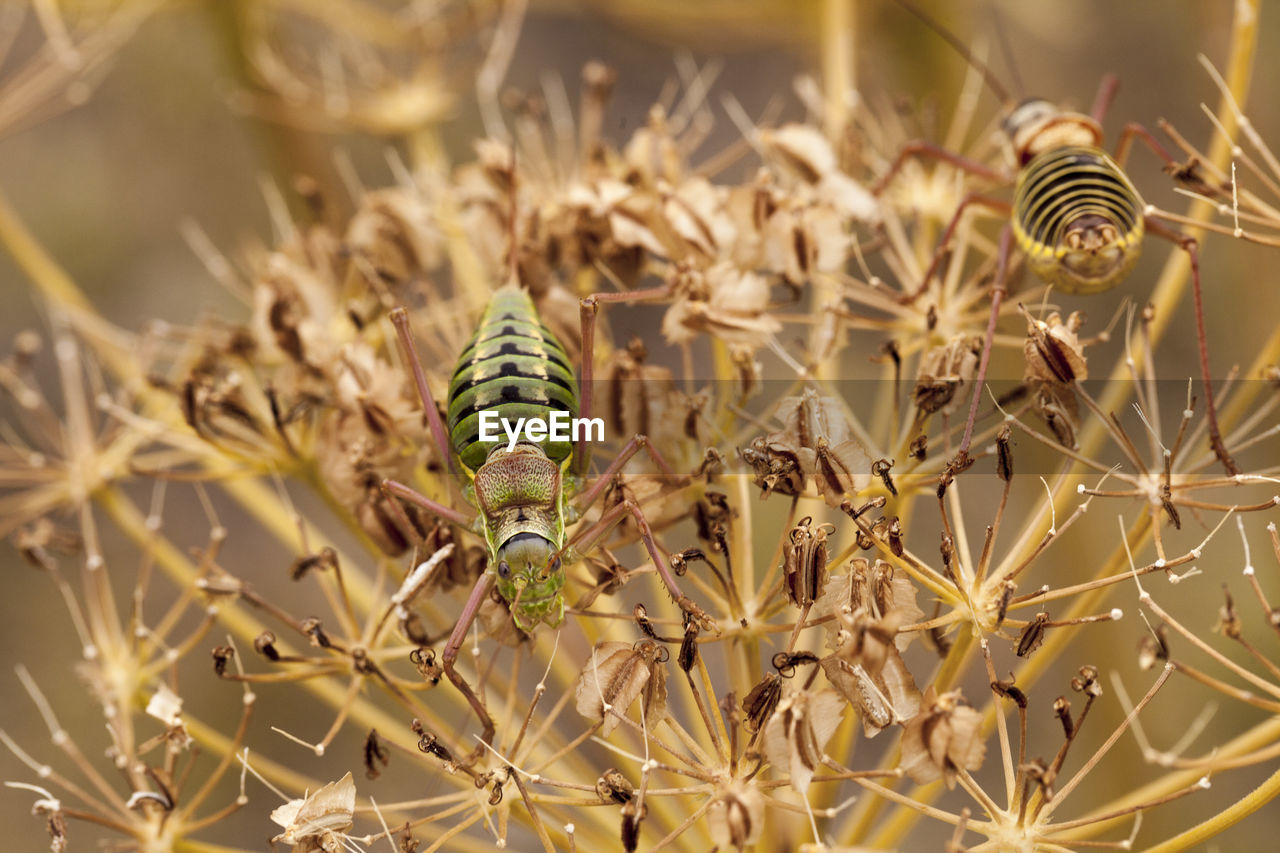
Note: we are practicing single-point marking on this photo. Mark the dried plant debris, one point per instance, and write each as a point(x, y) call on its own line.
point(815, 443)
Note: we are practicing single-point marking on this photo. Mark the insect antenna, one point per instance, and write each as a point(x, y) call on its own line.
point(993, 82)
point(1006, 49)
point(513, 251)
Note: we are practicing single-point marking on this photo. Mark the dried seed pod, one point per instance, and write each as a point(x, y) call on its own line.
point(816, 441)
point(1053, 351)
point(1054, 361)
point(613, 787)
point(1086, 681)
point(945, 369)
point(325, 560)
point(265, 645)
point(776, 467)
point(1152, 649)
point(222, 656)
point(736, 816)
point(1229, 624)
point(723, 301)
point(881, 468)
point(39, 541)
point(797, 731)
point(427, 664)
point(638, 397)
point(868, 670)
point(616, 675)
point(375, 754)
point(944, 738)
point(804, 561)
point(760, 701)
point(319, 821)
point(1058, 406)
point(806, 153)
point(1033, 634)
point(630, 830)
point(394, 236)
point(871, 588)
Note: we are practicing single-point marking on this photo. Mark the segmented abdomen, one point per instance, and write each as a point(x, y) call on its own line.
point(1059, 187)
point(515, 367)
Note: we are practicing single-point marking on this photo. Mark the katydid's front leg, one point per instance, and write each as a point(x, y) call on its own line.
point(478, 594)
point(587, 538)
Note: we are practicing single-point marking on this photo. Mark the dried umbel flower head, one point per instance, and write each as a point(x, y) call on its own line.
point(782, 265)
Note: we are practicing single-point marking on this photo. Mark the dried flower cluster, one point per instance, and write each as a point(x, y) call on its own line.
point(867, 609)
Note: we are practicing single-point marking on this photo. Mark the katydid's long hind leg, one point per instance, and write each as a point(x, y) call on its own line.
point(400, 319)
point(1133, 130)
point(586, 538)
point(1190, 246)
point(1106, 93)
point(999, 288)
point(450, 657)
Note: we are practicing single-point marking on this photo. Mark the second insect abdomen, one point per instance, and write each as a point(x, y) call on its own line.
point(1078, 218)
point(514, 367)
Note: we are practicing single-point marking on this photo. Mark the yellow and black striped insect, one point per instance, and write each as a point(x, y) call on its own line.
point(1075, 214)
point(514, 369)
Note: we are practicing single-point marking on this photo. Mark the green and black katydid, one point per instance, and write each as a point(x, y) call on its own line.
point(515, 368)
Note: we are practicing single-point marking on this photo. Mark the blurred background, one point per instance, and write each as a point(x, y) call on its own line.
point(175, 132)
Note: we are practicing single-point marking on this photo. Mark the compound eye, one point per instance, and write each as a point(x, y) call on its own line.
point(504, 570)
